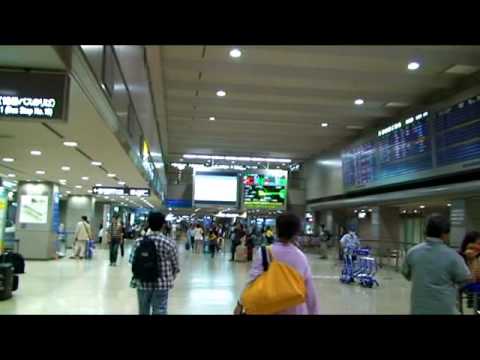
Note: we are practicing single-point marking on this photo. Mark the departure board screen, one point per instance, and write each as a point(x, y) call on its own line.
point(398, 152)
point(422, 146)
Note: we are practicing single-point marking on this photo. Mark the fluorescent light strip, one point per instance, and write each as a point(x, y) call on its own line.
point(235, 158)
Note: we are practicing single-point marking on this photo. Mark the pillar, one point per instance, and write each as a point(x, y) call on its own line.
point(78, 206)
point(38, 215)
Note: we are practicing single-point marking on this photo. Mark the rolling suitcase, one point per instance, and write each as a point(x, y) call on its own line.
point(6, 281)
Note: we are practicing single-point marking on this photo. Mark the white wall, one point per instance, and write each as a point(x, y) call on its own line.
point(323, 176)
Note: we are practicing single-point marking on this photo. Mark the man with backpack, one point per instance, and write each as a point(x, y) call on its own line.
point(154, 262)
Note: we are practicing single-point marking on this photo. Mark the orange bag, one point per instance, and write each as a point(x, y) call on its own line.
point(277, 289)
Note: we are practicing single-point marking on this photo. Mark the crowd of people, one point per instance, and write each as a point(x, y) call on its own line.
point(436, 271)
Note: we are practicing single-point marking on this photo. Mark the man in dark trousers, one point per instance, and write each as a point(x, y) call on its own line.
point(237, 236)
point(116, 238)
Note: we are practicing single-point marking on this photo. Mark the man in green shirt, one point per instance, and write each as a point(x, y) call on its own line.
point(435, 271)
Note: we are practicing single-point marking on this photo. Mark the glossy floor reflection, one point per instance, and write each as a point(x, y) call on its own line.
point(204, 286)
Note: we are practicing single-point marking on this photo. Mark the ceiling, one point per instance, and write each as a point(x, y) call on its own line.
point(95, 140)
point(278, 96)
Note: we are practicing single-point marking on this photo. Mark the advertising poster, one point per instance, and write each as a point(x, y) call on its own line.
point(33, 209)
point(56, 212)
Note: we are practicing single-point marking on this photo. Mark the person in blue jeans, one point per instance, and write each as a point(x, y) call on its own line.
point(153, 296)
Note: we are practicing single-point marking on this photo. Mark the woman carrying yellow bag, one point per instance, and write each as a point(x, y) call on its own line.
point(280, 278)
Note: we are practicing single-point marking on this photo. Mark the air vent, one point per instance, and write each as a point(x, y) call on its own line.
point(395, 104)
point(462, 69)
point(355, 127)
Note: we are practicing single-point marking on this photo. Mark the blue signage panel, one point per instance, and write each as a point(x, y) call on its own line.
point(179, 203)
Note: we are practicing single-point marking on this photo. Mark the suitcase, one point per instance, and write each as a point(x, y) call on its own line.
point(16, 259)
point(89, 249)
point(241, 253)
point(15, 283)
point(187, 245)
point(6, 281)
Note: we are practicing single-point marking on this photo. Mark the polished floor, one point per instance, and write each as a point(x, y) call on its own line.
point(204, 286)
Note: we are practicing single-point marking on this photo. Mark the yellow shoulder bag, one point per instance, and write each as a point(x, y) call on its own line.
point(278, 288)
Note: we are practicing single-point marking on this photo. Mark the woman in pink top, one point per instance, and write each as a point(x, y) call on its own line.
point(283, 250)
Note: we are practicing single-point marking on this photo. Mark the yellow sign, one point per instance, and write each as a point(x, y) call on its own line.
point(146, 150)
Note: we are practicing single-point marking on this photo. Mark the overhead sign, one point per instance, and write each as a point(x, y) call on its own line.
point(121, 191)
point(33, 95)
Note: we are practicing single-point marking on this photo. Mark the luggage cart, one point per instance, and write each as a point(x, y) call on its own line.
point(359, 265)
point(465, 292)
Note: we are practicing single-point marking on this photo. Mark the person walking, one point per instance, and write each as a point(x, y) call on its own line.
point(83, 233)
point(470, 251)
point(101, 232)
point(236, 237)
point(213, 242)
point(435, 270)
point(198, 236)
point(283, 251)
point(153, 283)
point(115, 240)
point(122, 241)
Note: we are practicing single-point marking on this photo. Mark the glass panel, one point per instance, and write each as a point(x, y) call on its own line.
point(94, 55)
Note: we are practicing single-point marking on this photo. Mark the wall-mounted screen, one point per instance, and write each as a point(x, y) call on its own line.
point(420, 147)
point(215, 188)
point(265, 189)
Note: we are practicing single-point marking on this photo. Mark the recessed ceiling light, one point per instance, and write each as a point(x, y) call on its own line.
point(121, 183)
point(40, 172)
point(396, 104)
point(68, 192)
point(211, 118)
point(96, 163)
point(359, 102)
point(62, 181)
point(98, 185)
point(7, 159)
point(35, 152)
point(324, 124)
point(413, 65)
point(449, 204)
point(355, 127)
point(221, 93)
point(422, 206)
point(235, 53)
point(66, 168)
point(11, 175)
point(78, 186)
point(89, 191)
point(106, 197)
point(111, 175)
point(70, 143)
point(85, 178)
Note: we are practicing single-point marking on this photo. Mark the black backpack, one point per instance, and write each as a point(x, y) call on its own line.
point(145, 262)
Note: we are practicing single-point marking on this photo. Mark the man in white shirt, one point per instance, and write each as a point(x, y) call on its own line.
point(83, 233)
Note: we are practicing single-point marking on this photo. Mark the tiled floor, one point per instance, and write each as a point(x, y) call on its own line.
point(204, 286)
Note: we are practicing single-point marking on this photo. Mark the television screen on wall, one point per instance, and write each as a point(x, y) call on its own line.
point(265, 189)
point(215, 188)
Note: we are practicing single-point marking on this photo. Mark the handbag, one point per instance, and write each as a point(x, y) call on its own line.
point(278, 288)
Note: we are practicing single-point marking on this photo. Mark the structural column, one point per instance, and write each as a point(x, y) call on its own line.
point(38, 216)
point(78, 206)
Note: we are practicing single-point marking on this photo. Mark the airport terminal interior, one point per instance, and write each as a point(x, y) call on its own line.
point(363, 143)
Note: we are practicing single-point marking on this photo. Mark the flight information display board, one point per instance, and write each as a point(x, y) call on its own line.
point(265, 189)
point(423, 146)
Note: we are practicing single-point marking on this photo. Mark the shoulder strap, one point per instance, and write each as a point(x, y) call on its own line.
point(86, 230)
point(264, 258)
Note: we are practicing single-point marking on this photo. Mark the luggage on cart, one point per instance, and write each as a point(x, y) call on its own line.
point(6, 281)
point(90, 249)
point(241, 253)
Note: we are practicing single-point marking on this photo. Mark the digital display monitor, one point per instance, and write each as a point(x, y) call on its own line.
point(265, 190)
point(215, 188)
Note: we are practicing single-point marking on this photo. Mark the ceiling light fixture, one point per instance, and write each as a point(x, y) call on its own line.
point(68, 192)
point(98, 185)
point(324, 124)
point(40, 172)
point(78, 186)
point(62, 181)
point(413, 66)
point(70, 143)
point(89, 191)
point(211, 118)
point(121, 183)
point(96, 163)
point(235, 53)
point(359, 102)
point(111, 175)
point(221, 93)
point(449, 204)
point(35, 152)
point(11, 175)
point(7, 159)
point(422, 206)
point(85, 178)
point(65, 168)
